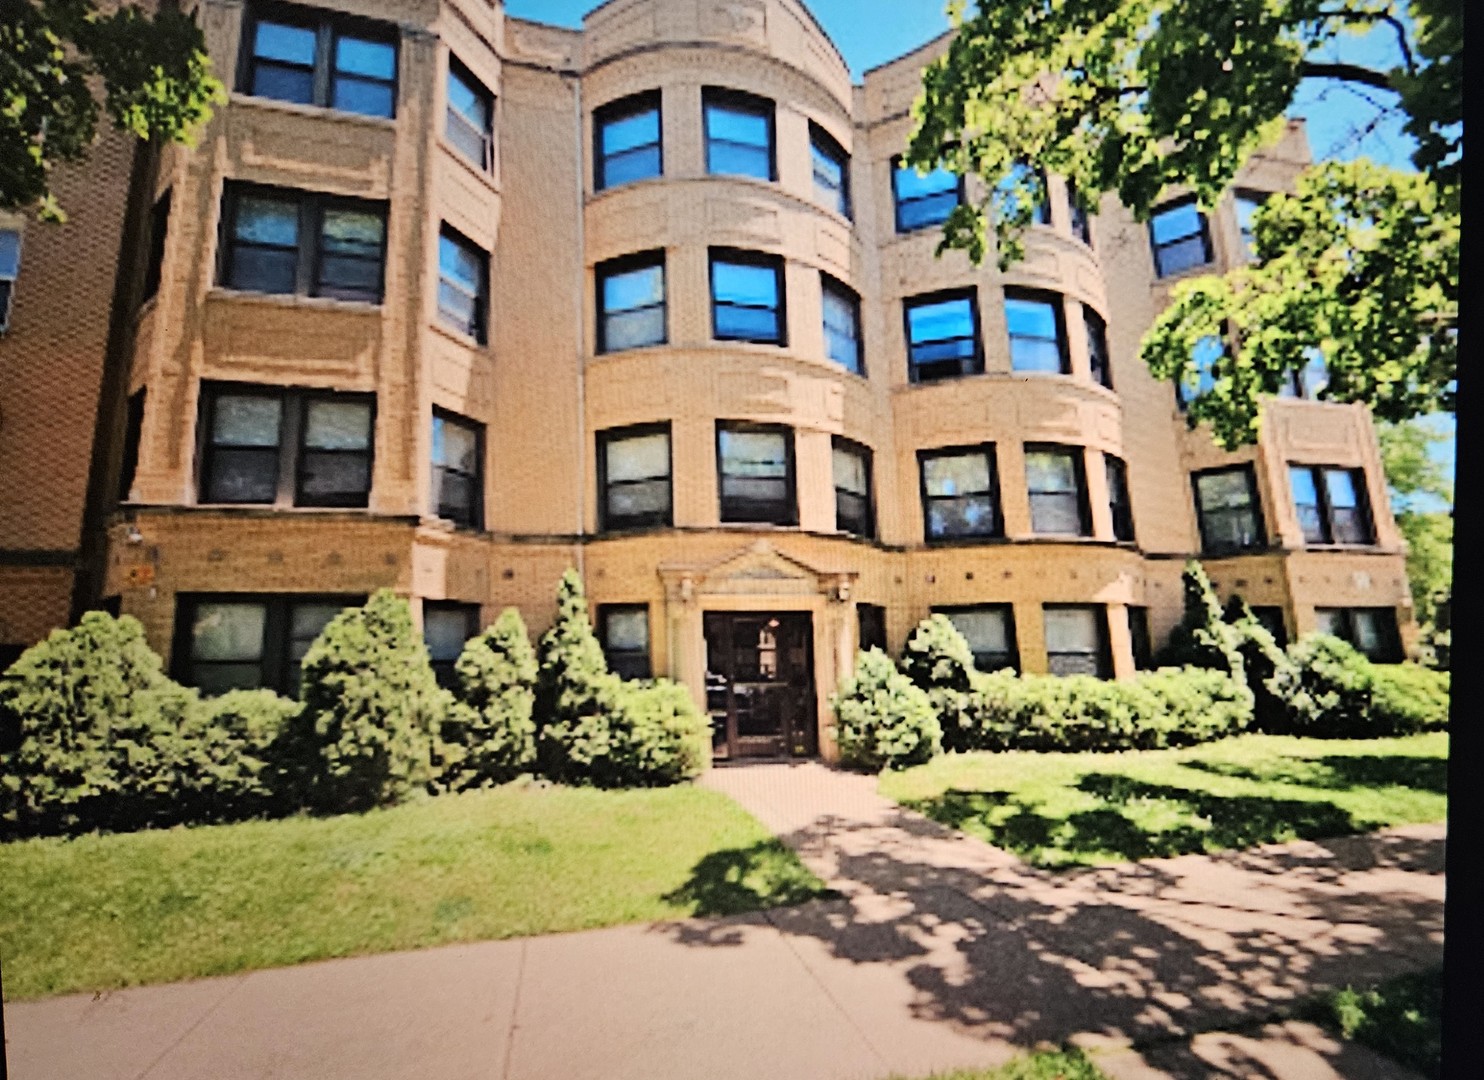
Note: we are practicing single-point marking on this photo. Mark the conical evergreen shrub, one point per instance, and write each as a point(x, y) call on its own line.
point(1264, 664)
point(882, 719)
point(1203, 638)
point(372, 708)
point(489, 736)
point(938, 660)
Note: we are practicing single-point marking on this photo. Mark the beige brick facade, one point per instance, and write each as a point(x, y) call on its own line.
point(542, 392)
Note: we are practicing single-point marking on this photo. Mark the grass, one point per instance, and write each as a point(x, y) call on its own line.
point(1063, 810)
point(1040, 1065)
point(1402, 1018)
point(99, 912)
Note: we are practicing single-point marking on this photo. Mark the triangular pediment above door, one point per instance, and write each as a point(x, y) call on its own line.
point(759, 569)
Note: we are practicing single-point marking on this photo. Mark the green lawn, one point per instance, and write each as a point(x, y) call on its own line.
point(108, 911)
point(1402, 1018)
point(1058, 810)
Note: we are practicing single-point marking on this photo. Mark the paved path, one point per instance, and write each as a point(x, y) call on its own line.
point(941, 952)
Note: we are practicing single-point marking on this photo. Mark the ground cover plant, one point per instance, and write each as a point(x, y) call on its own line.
point(1064, 810)
point(1401, 1018)
point(104, 911)
point(1039, 1065)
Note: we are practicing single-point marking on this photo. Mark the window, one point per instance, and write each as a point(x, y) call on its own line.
point(960, 497)
point(243, 642)
point(631, 302)
point(314, 58)
point(870, 626)
point(1310, 380)
point(1373, 631)
point(624, 631)
point(1009, 202)
point(458, 470)
point(943, 336)
point(990, 631)
point(1077, 640)
point(842, 324)
point(463, 284)
point(853, 510)
point(266, 445)
point(1057, 481)
point(1097, 347)
point(1247, 203)
point(447, 627)
point(747, 298)
point(10, 267)
point(159, 224)
point(923, 200)
point(133, 429)
point(1181, 238)
point(470, 120)
point(1228, 510)
point(1271, 619)
point(755, 466)
point(277, 240)
point(739, 134)
point(1331, 503)
point(1038, 332)
point(1118, 500)
point(831, 170)
point(1200, 377)
point(634, 477)
point(1081, 219)
point(626, 138)
point(1140, 639)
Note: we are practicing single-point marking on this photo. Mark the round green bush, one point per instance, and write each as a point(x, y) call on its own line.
point(1409, 698)
point(883, 720)
point(1327, 691)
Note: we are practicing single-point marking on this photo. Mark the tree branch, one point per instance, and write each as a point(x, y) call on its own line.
point(1388, 19)
point(1347, 72)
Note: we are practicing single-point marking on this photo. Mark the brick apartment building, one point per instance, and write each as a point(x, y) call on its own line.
point(448, 302)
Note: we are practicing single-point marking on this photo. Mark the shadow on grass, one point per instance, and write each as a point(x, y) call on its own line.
point(766, 874)
point(1340, 773)
point(1401, 1018)
point(1202, 821)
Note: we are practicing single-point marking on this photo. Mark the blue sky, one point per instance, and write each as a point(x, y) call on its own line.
point(871, 32)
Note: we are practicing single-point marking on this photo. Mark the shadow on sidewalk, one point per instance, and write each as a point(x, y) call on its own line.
point(1146, 952)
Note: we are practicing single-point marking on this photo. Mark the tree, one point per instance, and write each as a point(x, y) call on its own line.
point(1138, 97)
point(55, 55)
point(1421, 499)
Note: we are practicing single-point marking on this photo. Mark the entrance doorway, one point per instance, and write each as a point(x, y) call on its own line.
point(760, 684)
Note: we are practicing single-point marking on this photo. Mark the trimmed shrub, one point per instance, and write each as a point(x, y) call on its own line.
point(84, 714)
point(883, 719)
point(938, 660)
point(233, 757)
point(489, 736)
point(1327, 690)
point(1164, 708)
point(372, 708)
point(1408, 698)
point(595, 728)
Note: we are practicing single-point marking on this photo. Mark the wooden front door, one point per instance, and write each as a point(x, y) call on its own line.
point(760, 684)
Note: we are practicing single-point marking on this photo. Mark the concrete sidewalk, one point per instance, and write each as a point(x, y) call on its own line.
point(942, 952)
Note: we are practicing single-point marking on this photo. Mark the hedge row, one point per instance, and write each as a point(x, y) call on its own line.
point(1224, 673)
point(94, 735)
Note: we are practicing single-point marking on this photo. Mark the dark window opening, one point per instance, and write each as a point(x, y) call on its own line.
point(627, 141)
point(755, 466)
point(1077, 640)
point(990, 631)
point(1097, 347)
point(870, 626)
point(623, 630)
point(447, 628)
point(853, 505)
point(631, 302)
point(242, 642)
point(1118, 499)
point(133, 429)
point(943, 336)
point(1181, 238)
point(1272, 620)
point(1372, 631)
point(458, 470)
point(1331, 504)
point(159, 225)
point(1140, 638)
point(1229, 510)
point(634, 477)
point(960, 496)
